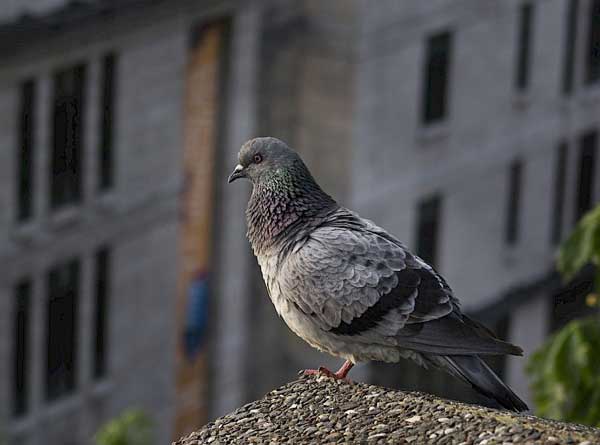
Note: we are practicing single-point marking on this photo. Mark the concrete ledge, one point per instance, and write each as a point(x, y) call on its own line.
point(320, 410)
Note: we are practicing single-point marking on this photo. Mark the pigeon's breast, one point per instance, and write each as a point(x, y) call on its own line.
point(275, 270)
point(296, 320)
point(268, 268)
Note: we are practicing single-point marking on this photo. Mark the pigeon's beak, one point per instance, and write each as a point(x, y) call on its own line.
point(238, 172)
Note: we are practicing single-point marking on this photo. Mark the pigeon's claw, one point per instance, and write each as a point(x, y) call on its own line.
point(321, 371)
point(339, 375)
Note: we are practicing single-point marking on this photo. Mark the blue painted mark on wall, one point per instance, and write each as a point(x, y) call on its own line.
point(196, 316)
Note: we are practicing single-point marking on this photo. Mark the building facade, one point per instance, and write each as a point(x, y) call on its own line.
point(101, 299)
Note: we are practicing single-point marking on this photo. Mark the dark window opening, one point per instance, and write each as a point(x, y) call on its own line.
point(560, 182)
point(514, 202)
point(101, 312)
point(592, 72)
point(570, 302)
point(570, 47)
point(437, 73)
point(107, 123)
point(67, 137)
point(585, 184)
point(21, 317)
point(428, 227)
point(525, 45)
point(25, 151)
point(61, 363)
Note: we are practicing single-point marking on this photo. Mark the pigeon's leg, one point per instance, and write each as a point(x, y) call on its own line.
point(339, 375)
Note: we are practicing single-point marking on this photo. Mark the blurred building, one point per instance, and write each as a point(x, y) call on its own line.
point(104, 279)
point(468, 129)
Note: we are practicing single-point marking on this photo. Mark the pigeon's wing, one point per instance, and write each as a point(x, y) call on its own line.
point(359, 282)
point(352, 281)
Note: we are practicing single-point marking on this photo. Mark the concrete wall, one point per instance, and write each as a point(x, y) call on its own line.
point(138, 219)
point(11, 9)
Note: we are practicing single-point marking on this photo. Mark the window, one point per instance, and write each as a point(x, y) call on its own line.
point(63, 289)
point(107, 119)
point(25, 151)
point(569, 303)
point(428, 229)
point(67, 137)
point(570, 46)
point(592, 71)
point(436, 73)
point(560, 181)
point(513, 202)
point(101, 311)
point(525, 44)
point(585, 184)
point(20, 351)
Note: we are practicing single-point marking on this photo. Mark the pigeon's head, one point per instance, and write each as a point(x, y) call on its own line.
point(262, 158)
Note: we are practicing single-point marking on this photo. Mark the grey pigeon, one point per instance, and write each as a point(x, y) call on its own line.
point(351, 289)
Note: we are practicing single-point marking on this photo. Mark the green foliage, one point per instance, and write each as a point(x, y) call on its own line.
point(565, 374)
point(565, 371)
point(582, 247)
point(133, 427)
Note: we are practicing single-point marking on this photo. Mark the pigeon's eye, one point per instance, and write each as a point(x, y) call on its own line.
point(257, 158)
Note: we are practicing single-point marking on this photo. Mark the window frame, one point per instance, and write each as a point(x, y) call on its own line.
point(592, 55)
point(428, 228)
point(25, 158)
point(21, 352)
point(67, 137)
point(561, 163)
point(586, 165)
point(525, 44)
point(102, 280)
point(107, 120)
point(437, 68)
point(62, 307)
point(516, 170)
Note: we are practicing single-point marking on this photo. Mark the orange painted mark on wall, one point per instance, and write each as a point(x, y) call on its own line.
point(203, 77)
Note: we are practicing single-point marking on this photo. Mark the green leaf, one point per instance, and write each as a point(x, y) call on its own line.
point(565, 373)
point(582, 247)
point(133, 427)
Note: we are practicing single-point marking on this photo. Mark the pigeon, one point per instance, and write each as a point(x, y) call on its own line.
point(351, 289)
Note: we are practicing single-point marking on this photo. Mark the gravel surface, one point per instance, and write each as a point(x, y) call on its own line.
point(318, 410)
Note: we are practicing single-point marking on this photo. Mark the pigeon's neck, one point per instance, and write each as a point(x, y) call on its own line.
point(283, 206)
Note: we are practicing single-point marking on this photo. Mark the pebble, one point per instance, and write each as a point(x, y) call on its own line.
point(413, 419)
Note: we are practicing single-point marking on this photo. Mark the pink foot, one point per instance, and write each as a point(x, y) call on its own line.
point(339, 375)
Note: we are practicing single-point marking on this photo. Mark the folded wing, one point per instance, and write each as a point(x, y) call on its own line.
point(354, 280)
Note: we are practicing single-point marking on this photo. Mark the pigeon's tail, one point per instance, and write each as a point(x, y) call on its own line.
point(476, 372)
